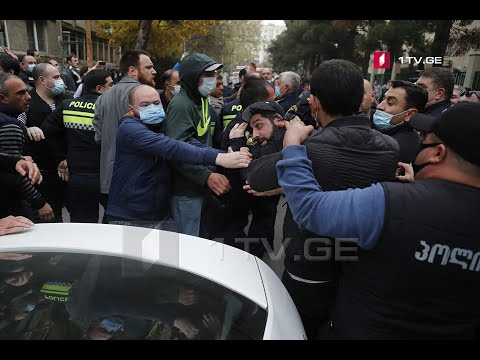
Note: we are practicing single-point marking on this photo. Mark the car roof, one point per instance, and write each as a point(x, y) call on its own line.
point(233, 268)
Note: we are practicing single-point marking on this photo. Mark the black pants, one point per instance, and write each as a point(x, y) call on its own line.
point(84, 197)
point(314, 303)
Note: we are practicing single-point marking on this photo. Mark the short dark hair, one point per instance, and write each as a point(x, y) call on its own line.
point(31, 52)
point(441, 78)
point(338, 84)
point(242, 72)
point(415, 96)
point(254, 90)
point(8, 63)
point(131, 58)
point(69, 57)
point(94, 78)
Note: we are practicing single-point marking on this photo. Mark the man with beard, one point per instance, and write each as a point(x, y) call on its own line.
point(136, 68)
point(263, 118)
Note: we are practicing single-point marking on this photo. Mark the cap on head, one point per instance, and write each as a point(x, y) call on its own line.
point(214, 67)
point(458, 127)
point(271, 106)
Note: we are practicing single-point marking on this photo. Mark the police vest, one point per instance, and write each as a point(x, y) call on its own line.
point(422, 280)
point(230, 111)
point(56, 291)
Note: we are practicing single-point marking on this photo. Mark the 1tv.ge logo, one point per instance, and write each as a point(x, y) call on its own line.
point(381, 60)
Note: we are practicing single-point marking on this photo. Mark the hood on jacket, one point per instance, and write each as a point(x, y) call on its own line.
point(191, 67)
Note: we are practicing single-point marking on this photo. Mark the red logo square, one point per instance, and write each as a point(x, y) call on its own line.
point(381, 60)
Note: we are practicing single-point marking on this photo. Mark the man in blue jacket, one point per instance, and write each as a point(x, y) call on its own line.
point(141, 181)
point(418, 268)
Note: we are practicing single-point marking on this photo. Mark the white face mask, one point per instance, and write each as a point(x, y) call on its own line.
point(208, 86)
point(176, 89)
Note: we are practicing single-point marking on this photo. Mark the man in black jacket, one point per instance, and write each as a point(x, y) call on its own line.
point(48, 94)
point(345, 153)
point(403, 100)
point(15, 99)
point(439, 83)
point(79, 161)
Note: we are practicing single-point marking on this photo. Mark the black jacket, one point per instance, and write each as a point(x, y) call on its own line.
point(36, 114)
point(346, 153)
point(408, 139)
point(70, 135)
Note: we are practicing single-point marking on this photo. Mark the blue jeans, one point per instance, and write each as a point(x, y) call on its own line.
point(165, 224)
point(187, 211)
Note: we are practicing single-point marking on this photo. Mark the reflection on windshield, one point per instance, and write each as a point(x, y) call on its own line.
point(80, 296)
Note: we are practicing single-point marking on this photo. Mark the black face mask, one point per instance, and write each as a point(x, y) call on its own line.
point(417, 168)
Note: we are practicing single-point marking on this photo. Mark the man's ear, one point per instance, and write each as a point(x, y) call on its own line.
point(278, 120)
point(3, 99)
point(440, 94)
point(410, 113)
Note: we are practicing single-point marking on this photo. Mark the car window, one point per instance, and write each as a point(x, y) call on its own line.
point(84, 296)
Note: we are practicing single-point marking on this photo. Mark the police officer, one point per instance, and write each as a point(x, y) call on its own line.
point(79, 160)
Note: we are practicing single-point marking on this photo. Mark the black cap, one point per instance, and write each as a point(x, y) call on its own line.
point(458, 127)
point(269, 105)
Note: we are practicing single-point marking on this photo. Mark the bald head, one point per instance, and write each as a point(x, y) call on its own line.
point(143, 95)
point(140, 96)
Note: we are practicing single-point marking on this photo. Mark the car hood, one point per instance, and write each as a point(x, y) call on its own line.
point(233, 268)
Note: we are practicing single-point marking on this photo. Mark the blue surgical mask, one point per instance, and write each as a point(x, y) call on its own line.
point(31, 66)
point(59, 87)
point(278, 93)
point(112, 324)
point(381, 120)
point(208, 86)
point(151, 114)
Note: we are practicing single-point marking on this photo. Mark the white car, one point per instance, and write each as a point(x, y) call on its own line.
point(98, 281)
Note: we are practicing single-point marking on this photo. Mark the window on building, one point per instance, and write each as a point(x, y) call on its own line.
point(36, 35)
point(74, 43)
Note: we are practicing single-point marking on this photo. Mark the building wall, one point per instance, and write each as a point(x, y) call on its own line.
point(18, 40)
point(17, 36)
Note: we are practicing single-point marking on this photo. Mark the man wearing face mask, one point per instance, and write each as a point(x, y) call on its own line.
point(417, 272)
point(69, 134)
point(27, 64)
point(170, 83)
point(144, 152)
point(403, 100)
point(189, 117)
point(48, 94)
point(345, 152)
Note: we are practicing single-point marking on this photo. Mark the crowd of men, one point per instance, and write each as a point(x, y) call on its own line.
point(393, 177)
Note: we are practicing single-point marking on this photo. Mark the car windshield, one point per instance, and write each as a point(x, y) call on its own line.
point(84, 296)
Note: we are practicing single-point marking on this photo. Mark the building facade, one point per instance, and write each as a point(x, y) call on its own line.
point(55, 39)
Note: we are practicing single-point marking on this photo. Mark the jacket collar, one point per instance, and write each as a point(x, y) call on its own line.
point(353, 120)
point(8, 110)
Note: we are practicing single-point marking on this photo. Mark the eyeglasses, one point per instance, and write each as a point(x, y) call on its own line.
point(469, 93)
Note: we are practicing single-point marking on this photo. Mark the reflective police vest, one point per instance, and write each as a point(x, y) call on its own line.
point(56, 291)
